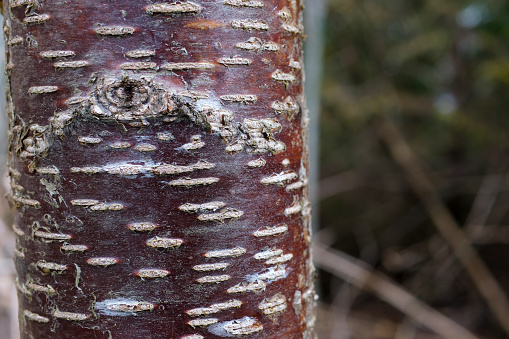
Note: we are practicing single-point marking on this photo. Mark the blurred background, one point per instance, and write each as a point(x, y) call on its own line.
point(410, 141)
point(413, 158)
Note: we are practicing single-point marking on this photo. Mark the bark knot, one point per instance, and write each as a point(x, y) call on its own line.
point(139, 100)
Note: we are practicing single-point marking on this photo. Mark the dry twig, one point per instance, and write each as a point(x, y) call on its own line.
point(445, 223)
point(362, 276)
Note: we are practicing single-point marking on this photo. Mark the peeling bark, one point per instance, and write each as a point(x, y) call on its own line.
point(158, 167)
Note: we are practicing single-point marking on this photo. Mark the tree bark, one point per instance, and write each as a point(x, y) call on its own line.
point(158, 166)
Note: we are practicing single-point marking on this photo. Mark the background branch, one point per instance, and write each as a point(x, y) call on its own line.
point(445, 223)
point(361, 275)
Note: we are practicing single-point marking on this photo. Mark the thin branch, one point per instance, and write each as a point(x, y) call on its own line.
point(338, 183)
point(474, 226)
point(445, 223)
point(363, 276)
point(483, 204)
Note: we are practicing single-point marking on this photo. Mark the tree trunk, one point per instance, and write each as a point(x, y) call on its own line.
point(159, 168)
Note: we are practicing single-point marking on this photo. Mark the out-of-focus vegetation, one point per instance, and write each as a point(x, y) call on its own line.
point(438, 71)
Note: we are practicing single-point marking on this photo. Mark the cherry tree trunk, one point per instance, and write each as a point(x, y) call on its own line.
point(158, 165)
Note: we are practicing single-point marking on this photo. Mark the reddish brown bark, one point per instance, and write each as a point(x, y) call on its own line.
point(158, 168)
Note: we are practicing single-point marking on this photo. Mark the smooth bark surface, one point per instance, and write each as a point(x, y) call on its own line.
point(159, 169)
